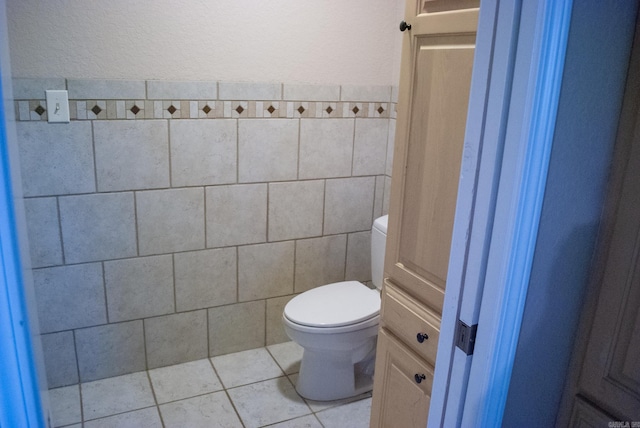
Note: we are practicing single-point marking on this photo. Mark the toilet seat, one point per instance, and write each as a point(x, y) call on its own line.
point(334, 305)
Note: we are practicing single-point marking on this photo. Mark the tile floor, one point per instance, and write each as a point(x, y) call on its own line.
point(248, 389)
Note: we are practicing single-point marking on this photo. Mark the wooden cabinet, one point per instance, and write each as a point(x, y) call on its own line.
point(432, 109)
point(411, 322)
point(437, 60)
point(404, 402)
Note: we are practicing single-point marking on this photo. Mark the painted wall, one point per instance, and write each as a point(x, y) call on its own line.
point(328, 41)
point(590, 101)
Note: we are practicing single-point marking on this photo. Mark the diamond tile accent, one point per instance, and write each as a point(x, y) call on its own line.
point(200, 108)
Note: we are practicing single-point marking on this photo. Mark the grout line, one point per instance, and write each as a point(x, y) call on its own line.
point(208, 334)
point(204, 208)
point(299, 146)
point(144, 344)
point(135, 220)
point(237, 276)
point(266, 232)
point(173, 281)
point(169, 158)
point(60, 234)
point(353, 146)
point(104, 289)
point(75, 350)
point(237, 180)
point(224, 388)
point(346, 256)
point(95, 163)
point(295, 264)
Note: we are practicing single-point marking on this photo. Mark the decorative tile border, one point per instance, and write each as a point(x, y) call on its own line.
point(35, 110)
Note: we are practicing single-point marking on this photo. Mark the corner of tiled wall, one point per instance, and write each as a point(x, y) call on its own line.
point(170, 221)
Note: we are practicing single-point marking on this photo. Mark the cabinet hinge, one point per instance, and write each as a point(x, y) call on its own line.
point(466, 337)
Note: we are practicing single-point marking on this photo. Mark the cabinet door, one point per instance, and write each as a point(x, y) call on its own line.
point(399, 400)
point(437, 58)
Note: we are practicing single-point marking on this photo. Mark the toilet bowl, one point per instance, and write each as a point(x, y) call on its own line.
point(337, 327)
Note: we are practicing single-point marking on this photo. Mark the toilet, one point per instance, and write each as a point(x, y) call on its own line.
point(337, 327)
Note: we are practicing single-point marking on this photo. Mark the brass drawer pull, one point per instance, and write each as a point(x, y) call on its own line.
point(421, 337)
point(419, 377)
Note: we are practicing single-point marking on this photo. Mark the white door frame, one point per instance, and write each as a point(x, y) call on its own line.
point(520, 50)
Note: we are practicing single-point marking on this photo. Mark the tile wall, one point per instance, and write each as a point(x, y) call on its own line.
point(171, 221)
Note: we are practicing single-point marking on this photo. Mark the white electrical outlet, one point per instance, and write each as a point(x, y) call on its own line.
point(57, 106)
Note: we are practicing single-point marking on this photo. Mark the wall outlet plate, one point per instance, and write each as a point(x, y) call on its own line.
point(57, 106)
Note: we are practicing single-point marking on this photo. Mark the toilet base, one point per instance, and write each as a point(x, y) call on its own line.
point(332, 375)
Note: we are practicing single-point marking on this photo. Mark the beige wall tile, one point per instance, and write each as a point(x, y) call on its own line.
point(236, 215)
point(83, 89)
point(139, 288)
point(110, 350)
point(267, 150)
point(365, 93)
point(385, 199)
point(170, 220)
point(181, 90)
point(60, 289)
point(30, 89)
point(131, 154)
point(359, 257)
point(43, 231)
point(203, 152)
point(319, 261)
point(302, 92)
point(249, 91)
point(326, 148)
point(176, 338)
point(236, 327)
point(65, 167)
point(205, 278)
point(59, 353)
point(265, 270)
point(295, 209)
point(349, 205)
point(275, 329)
point(390, 146)
point(370, 146)
point(98, 227)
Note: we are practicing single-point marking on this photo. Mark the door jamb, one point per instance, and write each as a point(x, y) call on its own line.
point(494, 293)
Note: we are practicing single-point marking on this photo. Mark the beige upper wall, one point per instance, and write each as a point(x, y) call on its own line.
point(322, 41)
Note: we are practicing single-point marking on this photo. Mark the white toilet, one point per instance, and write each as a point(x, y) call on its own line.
point(337, 325)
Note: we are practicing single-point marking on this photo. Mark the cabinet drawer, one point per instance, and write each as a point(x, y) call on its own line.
point(413, 323)
point(402, 388)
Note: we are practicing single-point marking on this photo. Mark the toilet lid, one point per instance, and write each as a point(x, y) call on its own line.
point(333, 305)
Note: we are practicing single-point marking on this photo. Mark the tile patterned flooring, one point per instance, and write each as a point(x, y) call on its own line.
point(248, 389)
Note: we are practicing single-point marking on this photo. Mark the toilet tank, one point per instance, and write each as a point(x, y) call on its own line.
point(378, 244)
